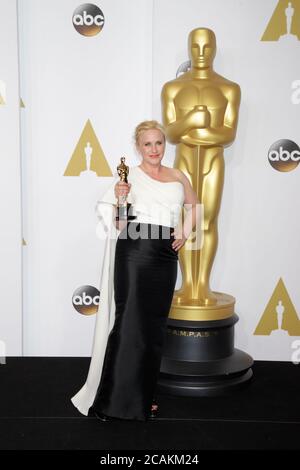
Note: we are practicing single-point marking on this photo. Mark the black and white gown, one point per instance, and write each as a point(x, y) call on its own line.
point(138, 278)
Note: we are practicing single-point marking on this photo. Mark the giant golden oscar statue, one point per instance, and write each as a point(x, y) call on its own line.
point(200, 114)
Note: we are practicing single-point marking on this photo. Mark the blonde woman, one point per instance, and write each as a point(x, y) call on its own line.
point(144, 276)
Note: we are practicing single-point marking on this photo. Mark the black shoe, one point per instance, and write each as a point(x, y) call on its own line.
point(101, 416)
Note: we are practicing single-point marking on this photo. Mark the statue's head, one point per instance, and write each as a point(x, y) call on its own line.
point(202, 47)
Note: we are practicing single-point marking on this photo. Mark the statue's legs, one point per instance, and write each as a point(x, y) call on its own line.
point(205, 169)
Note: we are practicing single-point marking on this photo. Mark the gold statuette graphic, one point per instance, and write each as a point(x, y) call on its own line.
point(124, 208)
point(284, 25)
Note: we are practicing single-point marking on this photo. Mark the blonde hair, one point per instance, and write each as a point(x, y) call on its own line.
point(146, 126)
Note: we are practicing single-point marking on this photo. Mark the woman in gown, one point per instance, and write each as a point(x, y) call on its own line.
point(138, 279)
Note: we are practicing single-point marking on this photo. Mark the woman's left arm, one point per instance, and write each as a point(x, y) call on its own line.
point(192, 215)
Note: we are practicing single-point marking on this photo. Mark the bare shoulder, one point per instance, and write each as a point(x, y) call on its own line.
point(180, 176)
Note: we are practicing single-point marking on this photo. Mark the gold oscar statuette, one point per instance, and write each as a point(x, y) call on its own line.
point(124, 208)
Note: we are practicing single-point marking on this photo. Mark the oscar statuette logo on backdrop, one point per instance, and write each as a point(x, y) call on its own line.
point(284, 25)
point(279, 317)
point(88, 19)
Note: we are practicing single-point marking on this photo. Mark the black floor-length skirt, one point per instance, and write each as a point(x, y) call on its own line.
point(145, 274)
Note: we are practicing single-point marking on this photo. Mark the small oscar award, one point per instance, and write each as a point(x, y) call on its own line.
point(124, 208)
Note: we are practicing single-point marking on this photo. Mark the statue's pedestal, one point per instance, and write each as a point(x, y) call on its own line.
point(199, 358)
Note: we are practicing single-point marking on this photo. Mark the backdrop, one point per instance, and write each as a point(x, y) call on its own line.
point(83, 90)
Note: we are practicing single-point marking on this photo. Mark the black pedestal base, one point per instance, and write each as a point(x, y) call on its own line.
point(199, 359)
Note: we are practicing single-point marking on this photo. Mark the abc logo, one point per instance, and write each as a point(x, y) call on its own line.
point(86, 300)
point(88, 19)
point(295, 98)
point(284, 155)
